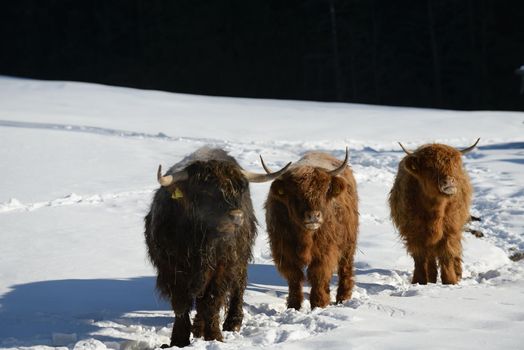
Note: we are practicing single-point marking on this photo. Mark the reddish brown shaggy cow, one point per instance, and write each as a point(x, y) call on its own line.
point(429, 204)
point(312, 220)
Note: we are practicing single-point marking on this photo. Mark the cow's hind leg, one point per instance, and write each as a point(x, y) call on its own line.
point(208, 307)
point(198, 321)
point(319, 275)
point(235, 314)
point(345, 276)
point(457, 261)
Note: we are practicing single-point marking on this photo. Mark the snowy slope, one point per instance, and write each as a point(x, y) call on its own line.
point(78, 170)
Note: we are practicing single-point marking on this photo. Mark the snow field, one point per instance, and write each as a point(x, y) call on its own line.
point(79, 169)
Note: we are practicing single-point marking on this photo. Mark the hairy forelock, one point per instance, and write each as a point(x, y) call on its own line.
point(442, 157)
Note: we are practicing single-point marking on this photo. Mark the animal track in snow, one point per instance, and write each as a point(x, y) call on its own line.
point(71, 199)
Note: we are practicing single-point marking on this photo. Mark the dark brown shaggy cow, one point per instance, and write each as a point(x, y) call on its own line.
point(199, 234)
point(429, 204)
point(312, 221)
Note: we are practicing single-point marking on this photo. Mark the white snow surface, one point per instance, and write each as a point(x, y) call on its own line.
point(78, 168)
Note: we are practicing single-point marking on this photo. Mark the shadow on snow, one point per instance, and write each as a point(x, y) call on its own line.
point(30, 313)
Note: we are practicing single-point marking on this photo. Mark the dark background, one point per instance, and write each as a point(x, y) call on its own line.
point(429, 53)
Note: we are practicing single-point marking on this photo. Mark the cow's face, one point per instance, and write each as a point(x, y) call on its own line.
point(307, 194)
point(437, 168)
point(214, 196)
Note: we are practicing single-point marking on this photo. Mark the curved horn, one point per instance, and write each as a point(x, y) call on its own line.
point(405, 150)
point(170, 179)
point(341, 168)
point(264, 165)
point(470, 148)
point(255, 177)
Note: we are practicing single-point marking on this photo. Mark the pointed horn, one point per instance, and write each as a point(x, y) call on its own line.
point(255, 177)
point(163, 180)
point(170, 179)
point(470, 148)
point(405, 150)
point(341, 168)
point(264, 165)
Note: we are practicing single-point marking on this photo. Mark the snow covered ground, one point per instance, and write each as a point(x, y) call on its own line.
point(78, 165)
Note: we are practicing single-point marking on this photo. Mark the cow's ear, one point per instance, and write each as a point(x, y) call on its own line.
point(278, 188)
point(176, 191)
point(337, 186)
point(411, 164)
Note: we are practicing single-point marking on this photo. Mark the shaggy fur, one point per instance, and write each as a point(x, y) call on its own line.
point(307, 187)
point(429, 221)
point(198, 252)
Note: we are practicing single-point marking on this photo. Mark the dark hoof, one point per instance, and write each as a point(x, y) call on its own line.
point(214, 336)
point(342, 297)
point(517, 256)
point(319, 306)
point(422, 283)
point(341, 300)
point(178, 343)
point(294, 304)
point(474, 218)
point(232, 327)
point(321, 302)
point(476, 233)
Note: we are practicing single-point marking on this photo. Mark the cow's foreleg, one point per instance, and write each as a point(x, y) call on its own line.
point(449, 255)
point(235, 314)
point(447, 270)
point(345, 275)
point(295, 278)
point(450, 269)
point(431, 267)
point(420, 274)
point(182, 326)
point(457, 262)
point(319, 275)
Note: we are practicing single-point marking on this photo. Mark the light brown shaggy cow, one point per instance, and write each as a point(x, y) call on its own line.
point(312, 221)
point(429, 204)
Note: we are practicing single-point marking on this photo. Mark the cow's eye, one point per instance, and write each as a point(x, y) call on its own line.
point(280, 191)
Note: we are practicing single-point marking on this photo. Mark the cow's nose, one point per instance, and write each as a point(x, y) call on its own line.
point(449, 181)
point(448, 185)
point(313, 216)
point(237, 216)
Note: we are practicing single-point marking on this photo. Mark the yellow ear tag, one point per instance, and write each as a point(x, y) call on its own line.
point(177, 194)
point(280, 191)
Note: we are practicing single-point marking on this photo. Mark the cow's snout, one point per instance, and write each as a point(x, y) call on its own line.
point(231, 221)
point(313, 219)
point(237, 217)
point(448, 185)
